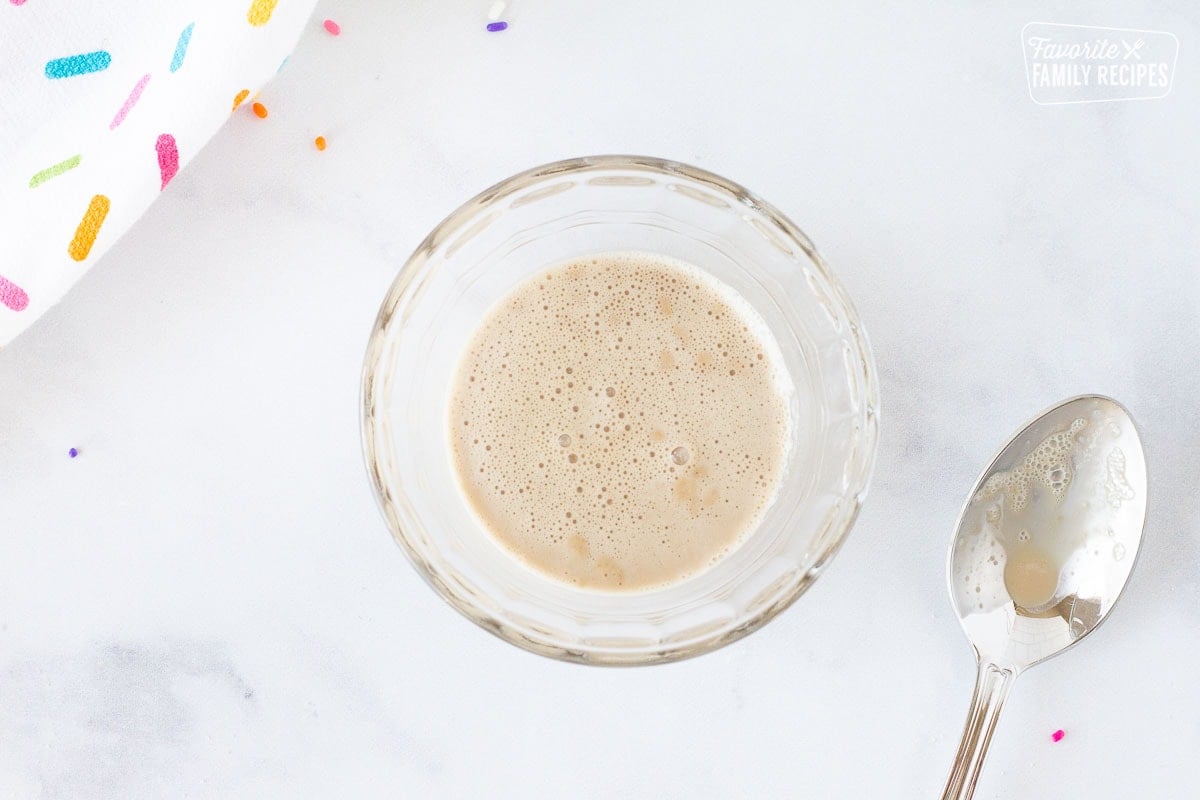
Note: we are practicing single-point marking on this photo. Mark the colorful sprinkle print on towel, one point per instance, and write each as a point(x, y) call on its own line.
point(110, 101)
point(82, 64)
point(12, 296)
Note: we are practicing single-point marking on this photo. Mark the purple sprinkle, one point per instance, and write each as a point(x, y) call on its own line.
point(72, 452)
point(495, 27)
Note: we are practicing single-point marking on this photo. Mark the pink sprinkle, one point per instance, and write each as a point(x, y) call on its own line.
point(12, 296)
point(1058, 735)
point(168, 158)
point(333, 28)
point(496, 27)
point(129, 102)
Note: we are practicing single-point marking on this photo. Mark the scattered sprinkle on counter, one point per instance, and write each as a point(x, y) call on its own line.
point(496, 27)
point(333, 28)
point(320, 142)
point(260, 110)
point(1058, 735)
point(74, 451)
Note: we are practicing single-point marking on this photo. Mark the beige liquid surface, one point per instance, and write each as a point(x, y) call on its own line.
point(620, 422)
point(1038, 537)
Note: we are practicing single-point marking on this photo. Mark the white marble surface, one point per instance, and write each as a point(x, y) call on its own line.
point(205, 603)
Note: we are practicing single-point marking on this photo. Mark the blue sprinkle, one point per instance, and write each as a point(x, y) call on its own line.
point(495, 27)
point(69, 66)
point(181, 47)
point(73, 452)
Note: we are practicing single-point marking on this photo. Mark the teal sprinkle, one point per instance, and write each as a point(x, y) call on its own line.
point(70, 66)
point(181, 47)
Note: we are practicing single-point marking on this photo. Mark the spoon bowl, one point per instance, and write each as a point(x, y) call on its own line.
point(1044, 547)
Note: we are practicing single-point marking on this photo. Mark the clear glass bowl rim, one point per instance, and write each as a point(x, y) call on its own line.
point(453, 225)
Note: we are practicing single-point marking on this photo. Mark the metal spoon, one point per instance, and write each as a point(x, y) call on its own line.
point(1044, 546)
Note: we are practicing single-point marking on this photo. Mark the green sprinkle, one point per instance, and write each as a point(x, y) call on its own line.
point(53, 172)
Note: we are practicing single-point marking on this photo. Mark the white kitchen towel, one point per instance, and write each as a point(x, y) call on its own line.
point(101, 104)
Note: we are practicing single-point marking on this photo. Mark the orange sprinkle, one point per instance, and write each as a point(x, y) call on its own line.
point(239, 97)
point(260, 110)
point(319, 142)
point(89, 227)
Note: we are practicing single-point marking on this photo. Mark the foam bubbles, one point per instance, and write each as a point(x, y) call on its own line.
point(619, 421)
point(1049, 464)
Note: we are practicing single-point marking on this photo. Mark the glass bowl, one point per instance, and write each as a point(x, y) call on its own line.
point(578, 207)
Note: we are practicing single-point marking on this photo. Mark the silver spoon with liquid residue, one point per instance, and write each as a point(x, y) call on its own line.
point(1044, 546)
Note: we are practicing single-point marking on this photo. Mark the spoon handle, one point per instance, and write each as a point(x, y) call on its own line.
point(992, 685)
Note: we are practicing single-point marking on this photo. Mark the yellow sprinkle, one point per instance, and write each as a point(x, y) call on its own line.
point(242, 95)
point(319, 142)
point(260, 12)
point(89, 227)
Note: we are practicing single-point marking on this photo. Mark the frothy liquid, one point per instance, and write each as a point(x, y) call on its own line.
point(1031, 512)
point(1031, 575)
point(620, 422)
